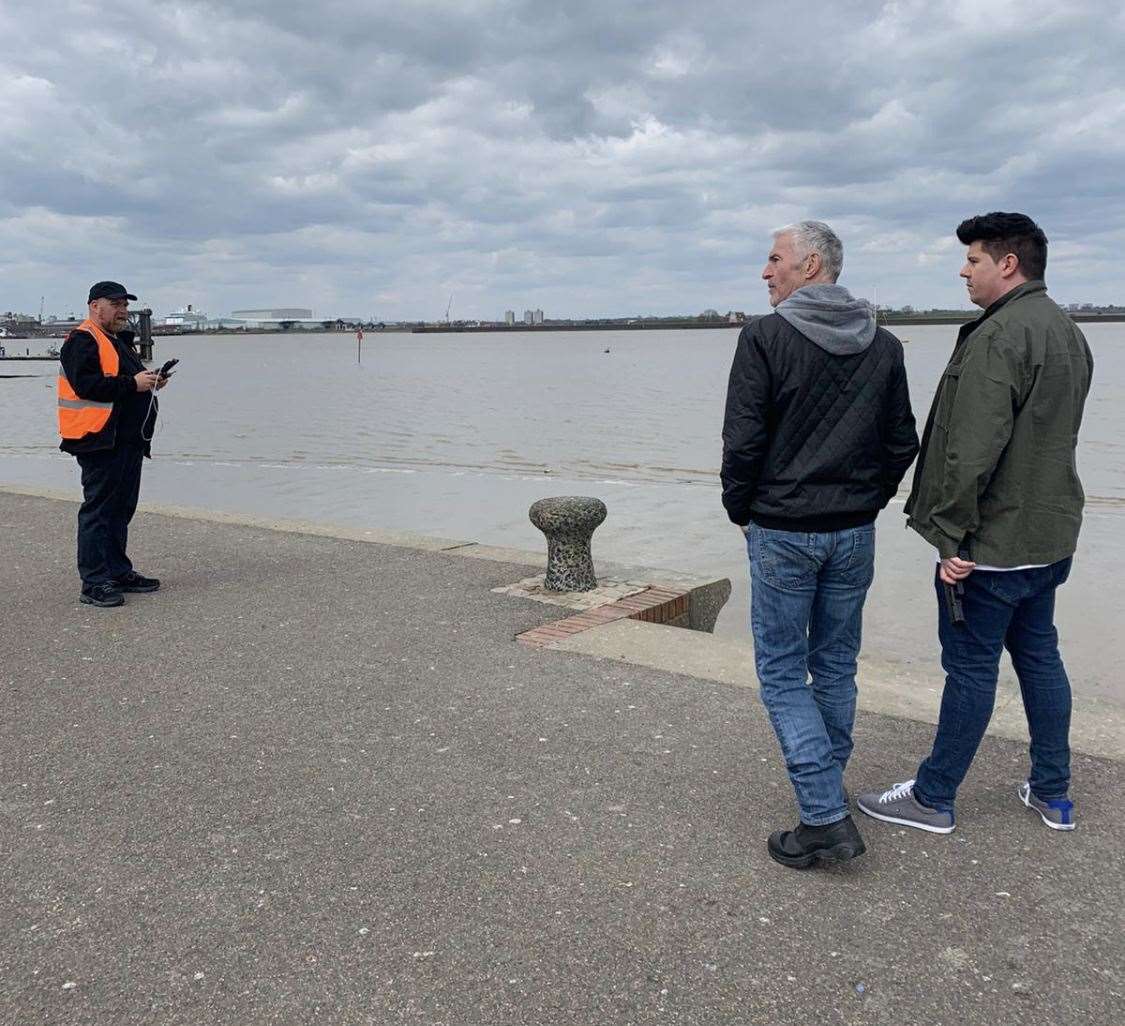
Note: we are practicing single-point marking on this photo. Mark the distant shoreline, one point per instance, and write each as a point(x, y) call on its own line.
point(885, 318)
point(960, 317)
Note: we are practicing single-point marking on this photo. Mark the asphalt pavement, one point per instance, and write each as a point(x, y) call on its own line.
point(315, 780)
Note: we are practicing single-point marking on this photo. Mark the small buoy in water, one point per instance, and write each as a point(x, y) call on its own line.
point(607, 350)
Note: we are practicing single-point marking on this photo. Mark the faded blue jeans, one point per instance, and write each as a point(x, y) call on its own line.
point(806, 613)
point(1014, 609)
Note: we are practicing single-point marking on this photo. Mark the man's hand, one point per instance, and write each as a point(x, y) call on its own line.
point(955, 569)
point(163, 381)
point(147, 381)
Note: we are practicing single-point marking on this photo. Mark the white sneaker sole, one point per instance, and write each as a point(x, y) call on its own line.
point(907, 822)
point(1025, 797)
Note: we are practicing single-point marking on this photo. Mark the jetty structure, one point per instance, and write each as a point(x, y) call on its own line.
point(140, 323)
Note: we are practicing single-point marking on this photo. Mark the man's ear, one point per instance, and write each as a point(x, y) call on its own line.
point(1009, 264)
point(812, 265)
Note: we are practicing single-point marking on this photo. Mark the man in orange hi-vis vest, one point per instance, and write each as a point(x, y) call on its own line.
point(106, 416)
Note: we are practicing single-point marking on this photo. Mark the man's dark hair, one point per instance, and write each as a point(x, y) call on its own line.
point(1000, 234)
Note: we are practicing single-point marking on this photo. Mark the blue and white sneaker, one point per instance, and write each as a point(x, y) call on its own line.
point(898, 805)
point(1058, 813)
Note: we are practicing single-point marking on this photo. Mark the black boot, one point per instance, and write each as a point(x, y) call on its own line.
point(105, 595)
point(800, 848)
point(134, 581)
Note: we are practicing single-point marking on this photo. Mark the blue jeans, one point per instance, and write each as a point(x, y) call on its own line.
point(1013, 610)
point(806, 613)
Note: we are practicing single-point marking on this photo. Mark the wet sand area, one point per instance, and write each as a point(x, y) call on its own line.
point(316, 777)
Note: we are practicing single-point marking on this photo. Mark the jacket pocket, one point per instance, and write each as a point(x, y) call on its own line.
point(947, 396)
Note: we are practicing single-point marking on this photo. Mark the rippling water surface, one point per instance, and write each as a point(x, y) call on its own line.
point(456, 435)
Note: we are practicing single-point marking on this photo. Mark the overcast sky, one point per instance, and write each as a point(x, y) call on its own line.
point(590, 158)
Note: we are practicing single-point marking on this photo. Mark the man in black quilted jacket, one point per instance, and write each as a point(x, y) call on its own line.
point(817, 436)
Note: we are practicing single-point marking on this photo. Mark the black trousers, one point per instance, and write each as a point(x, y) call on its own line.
point(111, 484)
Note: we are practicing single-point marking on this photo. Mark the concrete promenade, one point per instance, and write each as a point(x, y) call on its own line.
point(314, 779)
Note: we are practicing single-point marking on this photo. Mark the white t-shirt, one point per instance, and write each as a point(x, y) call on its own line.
point(1006, 569)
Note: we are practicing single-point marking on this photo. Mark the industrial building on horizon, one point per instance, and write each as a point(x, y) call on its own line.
point(284, 313)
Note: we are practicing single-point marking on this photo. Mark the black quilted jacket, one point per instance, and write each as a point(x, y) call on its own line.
point(813, 441)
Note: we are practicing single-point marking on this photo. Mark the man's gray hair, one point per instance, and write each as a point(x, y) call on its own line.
point(817, 237)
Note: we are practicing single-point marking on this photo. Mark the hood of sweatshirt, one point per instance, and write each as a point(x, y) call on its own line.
point(831, 317)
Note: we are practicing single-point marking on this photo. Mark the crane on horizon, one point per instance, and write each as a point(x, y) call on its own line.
point(448, 307)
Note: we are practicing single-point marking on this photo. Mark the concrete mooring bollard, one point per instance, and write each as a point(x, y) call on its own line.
point(568, 521)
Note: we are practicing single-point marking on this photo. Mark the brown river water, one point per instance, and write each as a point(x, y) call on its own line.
point(456, 435)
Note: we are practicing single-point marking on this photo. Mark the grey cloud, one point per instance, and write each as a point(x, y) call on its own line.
point(602, 157)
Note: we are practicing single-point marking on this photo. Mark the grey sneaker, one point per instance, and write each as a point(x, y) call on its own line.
point(898, 805)
point(1058, 813)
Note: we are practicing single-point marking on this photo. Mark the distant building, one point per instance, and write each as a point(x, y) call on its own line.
point(529, 317)
point(509, 317)
point(537, 317)
point(295, 313)
point(275, 319)
point(17, 325)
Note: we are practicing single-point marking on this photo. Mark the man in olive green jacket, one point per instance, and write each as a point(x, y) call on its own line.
point(996, 492)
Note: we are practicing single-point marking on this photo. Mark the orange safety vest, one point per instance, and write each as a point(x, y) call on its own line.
point(79, 417)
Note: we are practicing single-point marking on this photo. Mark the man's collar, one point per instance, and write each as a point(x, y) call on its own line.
point(1027, 287)
point(1033, 285)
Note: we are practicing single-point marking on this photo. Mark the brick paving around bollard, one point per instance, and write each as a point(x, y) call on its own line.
point(318, 780)
point(653, 605)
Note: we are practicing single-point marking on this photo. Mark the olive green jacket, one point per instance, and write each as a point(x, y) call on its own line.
point(996, 477)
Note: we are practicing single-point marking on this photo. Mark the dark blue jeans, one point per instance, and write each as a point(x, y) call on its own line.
point(1013, 610)
point(806, 613)
point(111, 484)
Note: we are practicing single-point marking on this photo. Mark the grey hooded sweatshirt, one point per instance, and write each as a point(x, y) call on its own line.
point(831, 317)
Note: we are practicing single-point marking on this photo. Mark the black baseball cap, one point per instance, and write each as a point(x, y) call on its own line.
point(109, 290)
